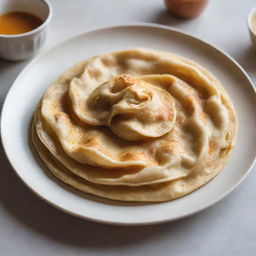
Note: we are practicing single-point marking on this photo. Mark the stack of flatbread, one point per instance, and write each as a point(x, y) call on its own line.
point(135, 125)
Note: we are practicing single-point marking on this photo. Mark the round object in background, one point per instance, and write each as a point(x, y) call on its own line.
point(251, 22)
point(185, 9)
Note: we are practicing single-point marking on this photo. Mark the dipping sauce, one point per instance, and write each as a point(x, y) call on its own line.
point(12, 23)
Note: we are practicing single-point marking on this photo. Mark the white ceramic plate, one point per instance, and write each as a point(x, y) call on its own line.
point(35, 78)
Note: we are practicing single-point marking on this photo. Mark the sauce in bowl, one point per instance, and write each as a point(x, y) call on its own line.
point(13, 23)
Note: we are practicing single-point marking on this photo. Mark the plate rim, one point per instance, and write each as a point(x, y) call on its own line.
point(98, 29)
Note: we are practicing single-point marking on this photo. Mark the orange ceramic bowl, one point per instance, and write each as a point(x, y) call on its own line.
point(185, 9)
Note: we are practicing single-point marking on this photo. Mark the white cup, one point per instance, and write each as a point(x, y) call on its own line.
point(252, 30)
point(23, 46)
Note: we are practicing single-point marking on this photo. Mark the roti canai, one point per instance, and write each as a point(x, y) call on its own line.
point(135, 125)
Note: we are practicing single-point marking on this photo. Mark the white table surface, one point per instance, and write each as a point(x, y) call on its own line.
point(29, 226)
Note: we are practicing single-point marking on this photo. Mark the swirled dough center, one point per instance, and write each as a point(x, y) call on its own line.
point(132, 108)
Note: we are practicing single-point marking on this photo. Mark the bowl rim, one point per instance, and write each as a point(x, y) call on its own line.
point(33, 31)
point(249, 18)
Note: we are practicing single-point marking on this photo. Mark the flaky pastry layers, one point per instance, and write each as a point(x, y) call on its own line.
point(135, 125)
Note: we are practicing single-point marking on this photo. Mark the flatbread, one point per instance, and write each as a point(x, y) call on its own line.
point(135, 125)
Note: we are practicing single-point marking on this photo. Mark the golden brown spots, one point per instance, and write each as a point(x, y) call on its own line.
point(212, 146)
point(128, 156)
point(127, 79)
point(170, 146)
point(138, 156)
point(225, 151)
point(93, 143)
point(122, 82)
point(164, 114)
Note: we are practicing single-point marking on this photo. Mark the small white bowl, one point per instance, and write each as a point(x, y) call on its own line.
point(251, 30)
point(23, 46)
